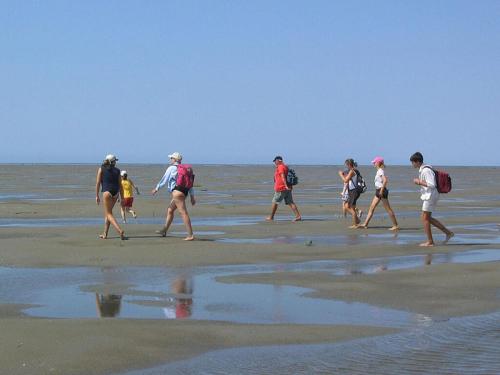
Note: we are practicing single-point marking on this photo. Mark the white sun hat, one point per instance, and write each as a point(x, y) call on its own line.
point(176, 156)
point(111, 158)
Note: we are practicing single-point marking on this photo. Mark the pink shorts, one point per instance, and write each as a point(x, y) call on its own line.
point(127, 202)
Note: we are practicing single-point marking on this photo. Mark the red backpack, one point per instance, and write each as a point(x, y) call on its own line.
point(443, 181)
point(185, 176)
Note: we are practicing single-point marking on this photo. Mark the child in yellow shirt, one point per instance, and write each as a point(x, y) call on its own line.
point(127, 196)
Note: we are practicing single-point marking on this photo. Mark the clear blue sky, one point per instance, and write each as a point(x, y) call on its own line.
point(240, 81)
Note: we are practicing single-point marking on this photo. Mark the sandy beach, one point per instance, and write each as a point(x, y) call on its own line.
point(55, 225)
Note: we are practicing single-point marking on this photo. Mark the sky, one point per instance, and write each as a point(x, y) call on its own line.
point(239, 82)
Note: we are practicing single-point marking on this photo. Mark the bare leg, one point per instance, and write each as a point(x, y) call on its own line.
point(132, 212)
point(122, 211)
point(355, 218)
point(391, 214)
point(274, 207)
point(426, 220)
point(109, 203)
point(359, 213)
point(180, 202)
point(104, 235)
point(168, 219)
point(371, 210)
point(295, 210)
point(440, 226)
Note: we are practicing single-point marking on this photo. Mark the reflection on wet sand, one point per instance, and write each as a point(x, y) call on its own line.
point(108, 305)
point(182, 289)
point(157, 292)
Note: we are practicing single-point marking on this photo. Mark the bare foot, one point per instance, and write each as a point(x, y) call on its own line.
point(189, 238)
point(394, 227)
point(355, 226)
point(427, 244)
point(362, 226)
point(103, 236)
point(448, 237)
point(162, 233)
point(297, 219)
point(269, 218)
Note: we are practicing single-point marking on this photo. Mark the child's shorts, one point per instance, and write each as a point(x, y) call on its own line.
point(127, 202)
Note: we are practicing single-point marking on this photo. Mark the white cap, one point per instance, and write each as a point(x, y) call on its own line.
point(111, 158)
point(123, 173)
point(175, 156)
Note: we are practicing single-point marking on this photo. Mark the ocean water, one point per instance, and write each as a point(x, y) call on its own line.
point(230, 184)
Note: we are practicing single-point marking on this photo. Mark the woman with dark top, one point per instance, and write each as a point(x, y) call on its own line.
point(353, 194)
point(179, 195)
point(108, 180)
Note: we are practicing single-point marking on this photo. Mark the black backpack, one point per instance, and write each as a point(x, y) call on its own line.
point(291, 178)
point(360, 183)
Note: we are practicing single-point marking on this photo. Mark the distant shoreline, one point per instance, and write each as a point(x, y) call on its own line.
point(254, 165)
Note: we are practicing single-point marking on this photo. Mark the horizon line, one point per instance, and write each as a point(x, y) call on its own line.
point(245, 164)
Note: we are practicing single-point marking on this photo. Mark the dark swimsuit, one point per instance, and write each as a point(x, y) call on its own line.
point(183, 190)
point(110, 181)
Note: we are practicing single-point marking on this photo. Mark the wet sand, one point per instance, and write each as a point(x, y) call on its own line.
point(74, 346)
point(43, 346)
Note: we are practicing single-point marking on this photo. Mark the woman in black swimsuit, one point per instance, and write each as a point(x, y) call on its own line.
point(108, 181)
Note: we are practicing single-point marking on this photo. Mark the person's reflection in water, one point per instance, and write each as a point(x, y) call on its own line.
point(283, 240)
point(353, 239)
point(352, 268)
point(108, 305)
point(182, 288)
point(428, 259)
point(381, 268)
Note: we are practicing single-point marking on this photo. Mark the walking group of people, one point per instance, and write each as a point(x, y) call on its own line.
point(115, 185)
point(179, 181)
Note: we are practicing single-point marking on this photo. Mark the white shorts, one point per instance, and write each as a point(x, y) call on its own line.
point(430, 205)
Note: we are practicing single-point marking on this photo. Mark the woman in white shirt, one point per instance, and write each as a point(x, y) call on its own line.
point(381, 194)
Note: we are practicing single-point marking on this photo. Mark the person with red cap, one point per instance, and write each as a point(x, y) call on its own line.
point(381, 194)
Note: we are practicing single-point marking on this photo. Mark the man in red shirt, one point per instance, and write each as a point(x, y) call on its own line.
point(281, 190)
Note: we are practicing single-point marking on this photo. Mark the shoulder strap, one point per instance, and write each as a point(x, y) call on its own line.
point(433, 172)
point(432, 169)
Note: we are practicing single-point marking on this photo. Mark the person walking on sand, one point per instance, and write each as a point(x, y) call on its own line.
point(282, 190)
point(127, 196)
point(430, 197)
point(344, 196)
point(381, 194)
point(351, 179)
point(179, 179)
point(108, 180)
